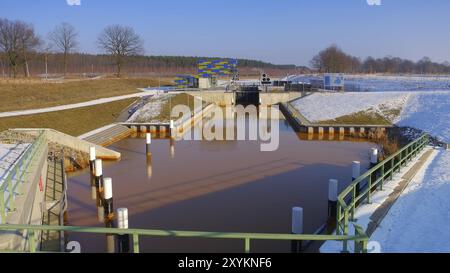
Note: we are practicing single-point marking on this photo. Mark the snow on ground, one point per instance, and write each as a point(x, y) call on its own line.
point(326, 106)
point(8, 155)
point(384, 83)
point(425, 110)
point(365, 211)
point(428, 111)
point(419, 220)
point(151, 110)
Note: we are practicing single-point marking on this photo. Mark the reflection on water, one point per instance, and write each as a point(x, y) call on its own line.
point(228, 186)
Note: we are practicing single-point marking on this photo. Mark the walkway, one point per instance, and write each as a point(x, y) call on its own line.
point(73, 106)
point(54, 204)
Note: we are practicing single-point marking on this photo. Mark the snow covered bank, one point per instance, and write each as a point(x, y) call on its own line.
point(364, 212)
point(419, 220)
point(326, 106)
point(428, 110)
point(151, 110)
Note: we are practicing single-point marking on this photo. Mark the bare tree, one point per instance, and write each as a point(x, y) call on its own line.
point(120, 42)
point(28, 43)
point(17, 41)
point(64, 38)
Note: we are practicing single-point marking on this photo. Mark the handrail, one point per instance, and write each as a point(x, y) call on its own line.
point(18, 173)
point(374, 179)
point(360, 238)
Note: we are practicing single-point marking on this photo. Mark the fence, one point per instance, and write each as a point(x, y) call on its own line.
point(360, 238)
point(18, 174)
point(365, 185)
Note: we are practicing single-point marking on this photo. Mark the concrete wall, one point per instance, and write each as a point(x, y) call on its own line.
point(275, 98)
point(222, 98)
point(27, 204)
point(218, 97)
point(76, 143)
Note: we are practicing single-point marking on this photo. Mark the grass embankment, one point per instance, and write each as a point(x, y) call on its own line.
point(73, 122)
point(158, 108)
point(179, 99)
point(20, 94)
point(368, 117)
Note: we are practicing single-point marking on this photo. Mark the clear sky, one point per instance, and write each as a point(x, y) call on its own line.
point(278, 31)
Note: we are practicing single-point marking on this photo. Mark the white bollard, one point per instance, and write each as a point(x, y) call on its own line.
point(356, 170)
point(297, 220)
point(108, 198)
point(332, 198)
point(92, 155)
point(297, 228)
point(373, 157)
point(92, 158)
point(98, 174)
point(148, 142)
point(122, 223)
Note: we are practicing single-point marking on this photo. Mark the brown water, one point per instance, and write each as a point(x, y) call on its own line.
point(227, 186)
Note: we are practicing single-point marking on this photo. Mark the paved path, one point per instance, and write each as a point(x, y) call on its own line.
point(74, 105)
point(54, 195)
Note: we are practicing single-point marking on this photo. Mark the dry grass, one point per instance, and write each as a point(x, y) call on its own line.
point(359, 118)
point(22, 94)
point(73, 122)
point(179, 99)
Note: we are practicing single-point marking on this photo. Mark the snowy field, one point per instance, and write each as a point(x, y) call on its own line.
point(419, 220)
point(384, 83)
point(427, 110)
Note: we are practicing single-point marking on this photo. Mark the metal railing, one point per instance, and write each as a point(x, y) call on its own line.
point(363, 187)
point(360, 238)
point(17, 174)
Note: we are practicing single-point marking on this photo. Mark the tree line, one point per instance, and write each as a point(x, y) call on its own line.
point(121, 47)
point(19, 44)
point(335, 60)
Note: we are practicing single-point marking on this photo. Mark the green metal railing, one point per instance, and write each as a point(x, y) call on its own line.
point(360, 239)
point(17, 174)
point(373, 180)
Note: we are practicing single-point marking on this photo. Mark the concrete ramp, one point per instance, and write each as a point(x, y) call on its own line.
point(75, 143)
point(108, 135)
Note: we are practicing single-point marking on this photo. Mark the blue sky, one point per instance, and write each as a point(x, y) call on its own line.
point(278, 31)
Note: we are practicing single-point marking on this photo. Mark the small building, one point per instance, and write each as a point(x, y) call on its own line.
point(186, 81)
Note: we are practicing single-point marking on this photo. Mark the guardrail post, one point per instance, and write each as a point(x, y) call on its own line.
point(247, 245)
point(338, 219)
point(356, 172)
point(345, 242)
point(382, 177)
point(2, 207)
point(32, 241)
point(369, 189)
point(353, 202)
point(135, 243)
point(391, 169)
point(11, 194)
